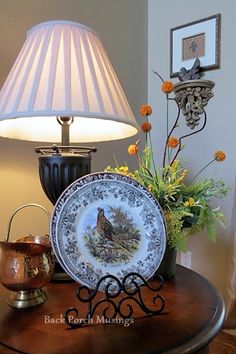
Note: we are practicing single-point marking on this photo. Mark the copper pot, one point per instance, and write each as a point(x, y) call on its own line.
point(26, 265)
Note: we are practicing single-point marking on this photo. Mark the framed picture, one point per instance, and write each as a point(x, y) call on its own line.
point(198, 39)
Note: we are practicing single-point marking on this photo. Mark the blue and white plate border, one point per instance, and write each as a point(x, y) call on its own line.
point(75, 187)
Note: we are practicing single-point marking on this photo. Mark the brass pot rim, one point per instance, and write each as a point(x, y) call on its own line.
point(39, 239)
point(32, 248)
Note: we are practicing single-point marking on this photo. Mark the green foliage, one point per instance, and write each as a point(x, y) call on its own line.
point(207, 189)
point(177, 236)
point(188, 206)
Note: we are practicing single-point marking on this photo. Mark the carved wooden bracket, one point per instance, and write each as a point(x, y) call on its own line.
point(192, 96)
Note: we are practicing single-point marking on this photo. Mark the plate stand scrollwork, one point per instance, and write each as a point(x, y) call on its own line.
point(118, 301)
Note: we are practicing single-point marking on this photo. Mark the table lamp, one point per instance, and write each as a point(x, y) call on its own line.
point(62, 87)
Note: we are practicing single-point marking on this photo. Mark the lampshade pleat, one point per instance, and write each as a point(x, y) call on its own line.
point(43, 93)
point(116, 90)
point(104, 85)
point(63, 70)
point(7, 95)
point(78, 89)
point(27, 88)
point(80, 72)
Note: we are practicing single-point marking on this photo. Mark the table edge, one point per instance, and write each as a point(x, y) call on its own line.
point(204, 337)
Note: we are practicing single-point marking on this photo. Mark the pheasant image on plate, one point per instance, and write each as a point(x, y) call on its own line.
point(115, 238)
point(104, 226)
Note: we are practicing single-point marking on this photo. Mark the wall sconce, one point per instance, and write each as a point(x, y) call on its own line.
point(63, 84)
point(192, 94)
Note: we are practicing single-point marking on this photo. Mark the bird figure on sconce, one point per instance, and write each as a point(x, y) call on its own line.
point(191, 74)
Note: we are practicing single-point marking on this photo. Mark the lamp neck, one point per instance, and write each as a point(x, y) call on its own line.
point(65, 123)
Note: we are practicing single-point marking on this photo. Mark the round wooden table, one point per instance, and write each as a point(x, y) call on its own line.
point(193, 315)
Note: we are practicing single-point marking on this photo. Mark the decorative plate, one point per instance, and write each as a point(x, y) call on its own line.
point(107, 223)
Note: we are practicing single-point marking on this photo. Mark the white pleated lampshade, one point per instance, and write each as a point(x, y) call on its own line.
point(63, 71)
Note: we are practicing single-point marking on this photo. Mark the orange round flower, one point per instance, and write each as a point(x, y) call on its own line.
point(146, 110)
point(167, 86)
point(146, 127)
point(133, 149)
point(219, 155)
point(173, 142)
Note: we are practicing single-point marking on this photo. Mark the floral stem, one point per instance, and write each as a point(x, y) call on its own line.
point(171, 131)
point(153, 162)
point(146, 135)
point(116, 162)
point(146, 140)
point(209, 163)
point(141, 164)
point(156, 73)
point(147, 170)
point(187, 135)
point(167, 126)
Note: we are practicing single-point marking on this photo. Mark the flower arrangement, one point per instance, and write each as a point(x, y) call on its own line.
point(187, 205)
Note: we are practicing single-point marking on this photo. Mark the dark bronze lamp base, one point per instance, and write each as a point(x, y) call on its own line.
point(59, 166)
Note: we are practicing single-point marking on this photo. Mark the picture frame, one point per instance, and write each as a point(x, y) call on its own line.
point(198, 39)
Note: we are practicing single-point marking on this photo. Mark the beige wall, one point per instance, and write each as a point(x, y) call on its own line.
point(122, 26)
point(209, 259)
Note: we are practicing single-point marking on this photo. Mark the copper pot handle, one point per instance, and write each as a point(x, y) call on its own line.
point(21, 207)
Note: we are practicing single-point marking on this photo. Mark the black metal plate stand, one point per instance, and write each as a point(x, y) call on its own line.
point(122, 308)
